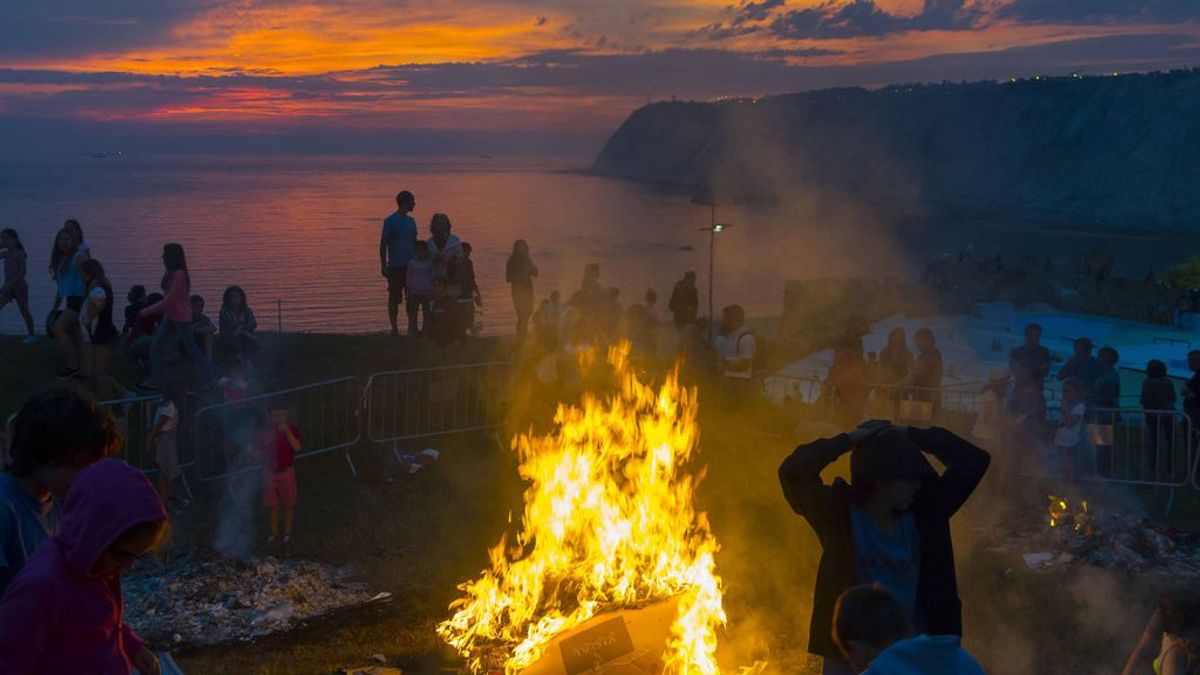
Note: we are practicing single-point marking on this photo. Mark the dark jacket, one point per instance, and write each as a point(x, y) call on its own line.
point(827, 510)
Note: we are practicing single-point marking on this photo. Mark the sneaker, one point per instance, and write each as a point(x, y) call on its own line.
point(66, 372)
point(31, 340)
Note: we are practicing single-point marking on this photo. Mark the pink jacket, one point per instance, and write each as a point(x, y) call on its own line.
point(176, 304)
point(56, 617)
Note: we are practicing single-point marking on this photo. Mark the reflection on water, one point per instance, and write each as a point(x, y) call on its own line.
point(304, 231)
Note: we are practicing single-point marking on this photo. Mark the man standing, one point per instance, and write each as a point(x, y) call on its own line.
point(1082, 366)
point(395, 250)
point(685, 301)
point(1029, 364)
point(736, 349)
point(889, 526)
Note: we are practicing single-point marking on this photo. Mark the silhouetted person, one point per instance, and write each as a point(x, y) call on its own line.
point(396, 246)
point(1082, 366)
point(926, 374)
point(896, 359)
point(1029, 365)
point(519, 273)
point(685, 301)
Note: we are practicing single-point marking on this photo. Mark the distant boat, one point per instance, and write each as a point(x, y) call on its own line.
point(105, 155)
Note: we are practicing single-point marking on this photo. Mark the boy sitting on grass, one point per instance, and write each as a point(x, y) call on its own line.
point(280, 443)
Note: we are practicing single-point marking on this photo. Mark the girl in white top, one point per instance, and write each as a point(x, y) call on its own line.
point(1070, 428)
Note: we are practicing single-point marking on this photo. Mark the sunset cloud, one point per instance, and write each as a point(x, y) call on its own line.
point(524, 65)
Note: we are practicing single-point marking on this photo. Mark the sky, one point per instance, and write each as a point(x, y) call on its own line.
point(508, 75)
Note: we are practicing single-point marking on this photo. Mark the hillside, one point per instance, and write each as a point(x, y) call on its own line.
point(1121, 151)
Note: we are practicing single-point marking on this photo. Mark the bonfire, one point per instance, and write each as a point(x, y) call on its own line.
point(609, 524)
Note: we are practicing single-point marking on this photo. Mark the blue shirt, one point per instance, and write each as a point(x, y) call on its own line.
point(400, 233)
point(24, 524)
point(892, 560)
point(70, 279)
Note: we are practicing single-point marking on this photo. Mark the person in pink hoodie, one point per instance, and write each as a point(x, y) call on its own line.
point(176, 310)
point(63, 611)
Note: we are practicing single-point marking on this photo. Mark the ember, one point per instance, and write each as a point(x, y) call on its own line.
point(206, 598)
point(609, 524)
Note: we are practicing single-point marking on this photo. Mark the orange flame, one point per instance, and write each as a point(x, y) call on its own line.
point(609, 523)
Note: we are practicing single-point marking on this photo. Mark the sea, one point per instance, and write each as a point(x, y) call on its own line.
point(301, 233)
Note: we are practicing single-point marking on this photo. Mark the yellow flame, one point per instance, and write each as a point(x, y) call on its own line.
point(609, 522)
point(1058, 510)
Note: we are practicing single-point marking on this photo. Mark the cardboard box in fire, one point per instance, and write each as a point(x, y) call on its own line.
point(624, 642)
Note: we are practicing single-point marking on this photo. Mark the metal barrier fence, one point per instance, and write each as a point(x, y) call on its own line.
point(420, 403)
point(1133, 446)
point(226, 435)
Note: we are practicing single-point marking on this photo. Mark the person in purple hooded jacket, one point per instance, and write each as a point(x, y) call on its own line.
point(63, 611)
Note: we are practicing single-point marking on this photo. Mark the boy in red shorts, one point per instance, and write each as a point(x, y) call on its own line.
point(280, 443)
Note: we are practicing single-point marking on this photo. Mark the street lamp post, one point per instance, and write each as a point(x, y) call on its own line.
point(714, 228)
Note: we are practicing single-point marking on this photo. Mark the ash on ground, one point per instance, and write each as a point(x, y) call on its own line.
point(205, 598)
point(1121, 542)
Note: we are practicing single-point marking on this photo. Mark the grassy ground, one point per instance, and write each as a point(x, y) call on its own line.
point(422, 535)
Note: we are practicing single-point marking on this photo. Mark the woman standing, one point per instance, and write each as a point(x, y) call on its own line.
point(96, 324)
point(238, 326)
point(64, 265)
point(520, 273)
point(15, 286)
point(176, 308)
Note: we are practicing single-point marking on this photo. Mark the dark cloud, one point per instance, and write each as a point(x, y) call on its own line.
point(756, 11)
point(34, 28)
point(858, 18)
point(1100, 11)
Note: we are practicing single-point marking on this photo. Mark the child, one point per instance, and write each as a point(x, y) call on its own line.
point(1158, 402)
point(1175, 626)
point(442, 322)
point(889, 525)
point(238, 336)
point(203, 327)
point(136, 299)
point(420, 287)
point(56, 433)
point(871, 630)
point(280, 444)
point(469, 297)
point(15, 286)
point(1070, 429)
point(64, 612)
point(163, 442)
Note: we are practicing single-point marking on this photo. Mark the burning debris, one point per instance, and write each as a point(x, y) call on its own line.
point(206, 598)
point(609, 526)
point(1071, 534)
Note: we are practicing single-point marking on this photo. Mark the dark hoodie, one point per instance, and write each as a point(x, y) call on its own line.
point(827, 510)
point(56, 617)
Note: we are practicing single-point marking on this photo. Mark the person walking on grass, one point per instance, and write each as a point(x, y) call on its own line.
point(890, 525)
point(176, 309)
point(65, 260)
point(64, 612)
point(280, 443)
point(16, 287)
point(97, 326)
point(396, 248)
point(520, 273)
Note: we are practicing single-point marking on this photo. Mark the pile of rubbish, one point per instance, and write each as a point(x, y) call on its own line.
point(1071, 535)
point(205, 598)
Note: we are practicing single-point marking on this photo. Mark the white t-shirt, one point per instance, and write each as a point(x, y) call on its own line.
point(1068, 436)
point(168, 414)
point(90, 312)
point(736, 347)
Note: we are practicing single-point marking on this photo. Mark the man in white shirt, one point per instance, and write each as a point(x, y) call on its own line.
point(735, 347)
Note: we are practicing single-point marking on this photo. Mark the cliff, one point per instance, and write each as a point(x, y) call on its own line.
point(1120, 151)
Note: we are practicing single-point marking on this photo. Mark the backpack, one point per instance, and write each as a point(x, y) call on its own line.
point(760, 350)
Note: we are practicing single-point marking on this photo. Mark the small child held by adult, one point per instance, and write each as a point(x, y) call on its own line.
point(419, 285)
point(872, 631)
point(279, 445)
point(63, 613)
point(57, 432)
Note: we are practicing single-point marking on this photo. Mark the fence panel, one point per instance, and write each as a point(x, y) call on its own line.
point(225, 436)
point(1133, 446)
point(409, 404)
